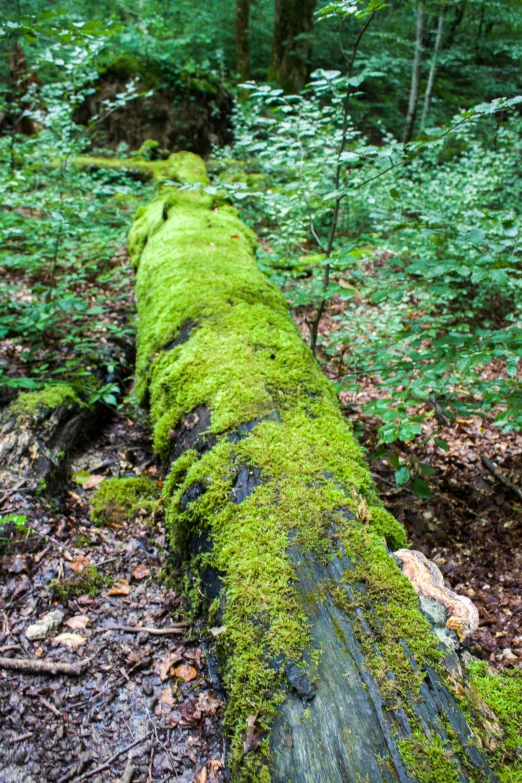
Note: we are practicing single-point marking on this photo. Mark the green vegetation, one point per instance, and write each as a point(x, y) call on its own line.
point(37, 404)
point(88, 582)
point(502, 692)
point(401, 257)
point(119, 500)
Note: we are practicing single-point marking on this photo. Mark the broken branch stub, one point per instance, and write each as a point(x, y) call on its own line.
point(331, 669)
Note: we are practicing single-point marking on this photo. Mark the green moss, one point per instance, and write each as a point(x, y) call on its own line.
point(182, 167)
point(502, 692)
point(428, 759)
point(89, 582)
point(245, 363)
point(31, 404)
point(119, 500)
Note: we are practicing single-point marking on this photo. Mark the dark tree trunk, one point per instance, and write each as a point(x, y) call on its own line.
point(336, 668)
point(415, 76)
point(243, 39)
point(292, 43)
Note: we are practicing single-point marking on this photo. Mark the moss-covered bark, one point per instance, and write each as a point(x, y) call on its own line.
point(331, 670)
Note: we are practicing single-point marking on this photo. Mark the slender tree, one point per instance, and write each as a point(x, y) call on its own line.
point(243, 39)
point(293, 23)
point(433, 71)
point(416, 74)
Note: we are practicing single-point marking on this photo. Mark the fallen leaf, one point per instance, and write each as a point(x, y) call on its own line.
point(81, 477)
point(39, 652)
point(235, 236)
point(141, 572)
point(167, 697)
point(165, 667)
point(186, 672)
point(218, 631)
point(92, 482)
point(121, 587)
point(77, 622)
point(208, 705)
point(253, 738)
point(79, 564)
point(70, 640)
point(215, 764)
point(202, 776)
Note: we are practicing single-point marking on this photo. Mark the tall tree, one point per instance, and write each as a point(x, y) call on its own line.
point(433, 71)
point(293, 23)
point(243, 39)
point(416, 74)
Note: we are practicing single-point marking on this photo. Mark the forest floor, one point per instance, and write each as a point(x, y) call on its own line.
point(471, 525)
point(149, 697)
point(150, 702)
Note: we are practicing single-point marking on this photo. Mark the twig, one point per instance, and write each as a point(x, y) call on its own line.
point(489, 465)
point(106, 764)
point(129, 771)
point(173, 630)
point(28, 666)
point(50, 707)
point(10, 647)
point(21, 738)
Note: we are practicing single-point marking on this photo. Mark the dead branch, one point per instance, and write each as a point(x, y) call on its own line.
point(489, 465)
point(28, 666)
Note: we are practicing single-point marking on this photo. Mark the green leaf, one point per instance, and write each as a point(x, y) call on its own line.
point(421, 488)
point(441, 444)
point(402, 475)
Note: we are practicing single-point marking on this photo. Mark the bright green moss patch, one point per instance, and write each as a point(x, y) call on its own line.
point(89, 582)
point(119, 500)
point(502, 692)
point(429, 760)
point(30, 404)
point(183, 167)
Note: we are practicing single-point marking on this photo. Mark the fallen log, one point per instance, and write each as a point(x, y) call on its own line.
point(332, 670)
point(39, 429)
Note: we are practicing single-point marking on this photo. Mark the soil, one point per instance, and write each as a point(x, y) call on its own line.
point(158, 691)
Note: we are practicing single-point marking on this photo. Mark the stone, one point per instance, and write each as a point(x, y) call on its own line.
point(45, 626)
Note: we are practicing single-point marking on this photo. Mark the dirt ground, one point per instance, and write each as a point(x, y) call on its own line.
point(149, 700)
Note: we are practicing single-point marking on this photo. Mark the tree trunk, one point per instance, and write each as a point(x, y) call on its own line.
point(433, 72)
point(39, 429)
point(460, 11)
point(416, 74)
point(293, 24)
point(331, 669)
point(243, 39)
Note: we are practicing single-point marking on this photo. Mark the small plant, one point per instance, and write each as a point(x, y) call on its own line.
point(119, 500)
point(89, 582)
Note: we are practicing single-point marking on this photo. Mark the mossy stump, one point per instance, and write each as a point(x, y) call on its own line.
point(331, 670)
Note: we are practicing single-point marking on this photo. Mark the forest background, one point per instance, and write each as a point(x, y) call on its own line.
point(375, 149)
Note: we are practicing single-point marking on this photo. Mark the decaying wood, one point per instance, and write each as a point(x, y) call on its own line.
point(490, 465)
point(173, 630)
point(34, 446)
point(30, 666)
point(342, 714)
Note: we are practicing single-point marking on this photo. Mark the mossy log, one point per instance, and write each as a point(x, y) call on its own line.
point(332, 671)
point(39, 429)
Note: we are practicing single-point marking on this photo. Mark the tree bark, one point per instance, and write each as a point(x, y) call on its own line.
point(415, 77)
point(433, 72)
point(291, 47)
point(337, 666)
point(39, 429)
point(243, 39)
